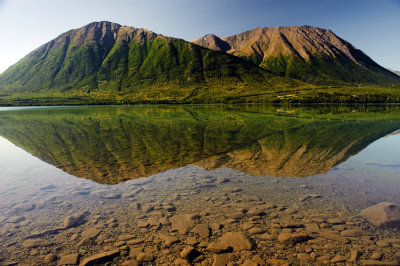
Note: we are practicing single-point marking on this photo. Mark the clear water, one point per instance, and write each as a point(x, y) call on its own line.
point(212, 161)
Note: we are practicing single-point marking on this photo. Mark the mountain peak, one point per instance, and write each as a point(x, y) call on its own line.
point(106, 56)
point(101, 24)
point(105, 32)
point(213, 42)
point(306, 53)
point(287, 40)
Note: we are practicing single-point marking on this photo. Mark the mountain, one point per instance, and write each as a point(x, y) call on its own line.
point(115, 143)
point(394, 71)
point(306, 53)
point(106, 63)
point(107, 58)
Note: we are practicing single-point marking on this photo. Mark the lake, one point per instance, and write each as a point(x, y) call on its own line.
point(207, 185)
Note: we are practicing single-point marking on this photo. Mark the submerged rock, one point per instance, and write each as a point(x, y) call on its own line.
point(50, 258)
point(218, 247)
point(130, 263)
point(377, 262)
point(90, 233)
point(125, 237)
point(32, 243)
point(145, 257)
point(201, 230)
point(305, 257)
point(16, 219)
point(135, 205)
point(100, 257)
point(71, 259)
point(376, 255)
point(237, 240)
point(266, 236)
point(74, 219)
point(331, 235)
point(181, 262)
point(135, 241)
point(111, 195)
point(24, 207)
point(385, 214)
point(188, 253)
point(183, 223)
point(279, 262)
point(220, 260)
point(354, 255)
point(292, 238)
point(169, 240)
point(354, 233)
point(249, 263)
point(222, 180)
point(256, 231)
point(338, 259)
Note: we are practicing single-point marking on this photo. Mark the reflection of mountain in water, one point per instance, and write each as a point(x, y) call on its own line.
point(295, 152)
point(112, 144)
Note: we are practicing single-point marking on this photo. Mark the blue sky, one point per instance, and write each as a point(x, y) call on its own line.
point(371, 25)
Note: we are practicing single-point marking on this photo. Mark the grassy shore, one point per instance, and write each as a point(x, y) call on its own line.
point(210, 94)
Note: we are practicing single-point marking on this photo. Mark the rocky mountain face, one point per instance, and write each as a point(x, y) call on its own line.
point(302, 52)
point(106, 63)
point(108, 56)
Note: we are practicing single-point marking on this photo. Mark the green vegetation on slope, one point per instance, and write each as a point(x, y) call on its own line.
point(106, 63)
point(322, 70)
point(140, 66)
point(305, 53)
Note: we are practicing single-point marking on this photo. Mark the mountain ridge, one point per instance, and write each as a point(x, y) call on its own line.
point(106, 55)
point(322, 56)
point(107, 63)
point(394, 71)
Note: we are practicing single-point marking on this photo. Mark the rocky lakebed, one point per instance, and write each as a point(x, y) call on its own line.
point(192, 216)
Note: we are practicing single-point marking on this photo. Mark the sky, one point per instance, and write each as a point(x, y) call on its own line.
point(370, 25)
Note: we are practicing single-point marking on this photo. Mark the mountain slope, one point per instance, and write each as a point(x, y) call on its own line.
point(106, 63)
point(394, 71)
point(105, 56)
point(303, 52)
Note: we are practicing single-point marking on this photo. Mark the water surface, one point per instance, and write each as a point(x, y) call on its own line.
point(132, 170)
